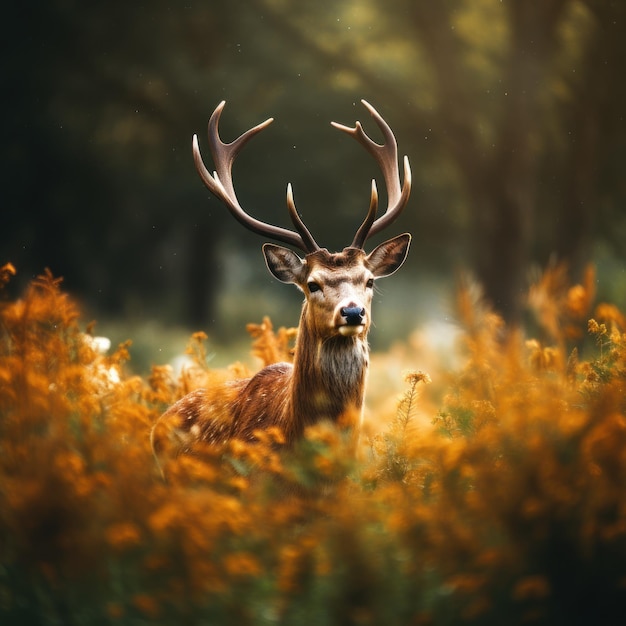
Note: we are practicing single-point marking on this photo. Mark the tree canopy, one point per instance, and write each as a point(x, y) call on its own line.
point(512, 113)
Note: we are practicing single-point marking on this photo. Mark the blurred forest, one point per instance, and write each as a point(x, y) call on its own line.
point(511, 111)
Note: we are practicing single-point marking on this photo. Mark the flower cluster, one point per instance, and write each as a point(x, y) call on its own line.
point(506, 505)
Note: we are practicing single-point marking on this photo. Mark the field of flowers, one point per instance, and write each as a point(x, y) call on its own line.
point(493, 493)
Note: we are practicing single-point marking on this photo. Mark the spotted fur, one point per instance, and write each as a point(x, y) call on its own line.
point(328, 376)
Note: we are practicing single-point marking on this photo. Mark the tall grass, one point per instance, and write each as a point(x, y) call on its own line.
point(495, 494)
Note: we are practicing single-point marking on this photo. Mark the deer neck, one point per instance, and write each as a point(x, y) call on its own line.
point(329, 377)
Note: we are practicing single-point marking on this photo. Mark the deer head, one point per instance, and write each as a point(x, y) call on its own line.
point(338, 287)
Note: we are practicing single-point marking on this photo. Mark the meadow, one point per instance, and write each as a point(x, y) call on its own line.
point(489, 488)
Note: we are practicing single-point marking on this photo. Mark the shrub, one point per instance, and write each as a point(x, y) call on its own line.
point(508, 508)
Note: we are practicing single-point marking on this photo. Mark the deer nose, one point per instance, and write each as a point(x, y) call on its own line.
point(353, 314)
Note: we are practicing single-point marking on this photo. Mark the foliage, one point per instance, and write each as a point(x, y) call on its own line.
point(511, 113)
point(508, 509)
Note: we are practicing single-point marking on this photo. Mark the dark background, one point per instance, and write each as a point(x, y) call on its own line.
point(512, 113)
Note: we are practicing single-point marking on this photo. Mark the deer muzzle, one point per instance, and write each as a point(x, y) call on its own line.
point(352, 319)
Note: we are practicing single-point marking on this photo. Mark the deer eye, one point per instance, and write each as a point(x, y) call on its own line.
point(370, 283)
point(313, 287)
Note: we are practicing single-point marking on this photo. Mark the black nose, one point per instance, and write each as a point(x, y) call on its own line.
point(353, 314)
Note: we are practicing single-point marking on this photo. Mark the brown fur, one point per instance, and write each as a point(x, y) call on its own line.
point(327, 379)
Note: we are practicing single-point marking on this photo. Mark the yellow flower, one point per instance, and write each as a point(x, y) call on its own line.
point(7, 271)
point(148, 605)
point(531, 587)
point(123, 535)
point(242, 565)
point(414, 376)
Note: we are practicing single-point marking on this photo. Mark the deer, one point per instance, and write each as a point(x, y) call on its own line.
point(327, 379)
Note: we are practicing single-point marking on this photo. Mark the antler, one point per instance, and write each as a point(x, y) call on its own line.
point(387, 157)
point(220, 184)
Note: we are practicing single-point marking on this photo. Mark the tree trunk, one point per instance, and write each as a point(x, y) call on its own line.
point(500, 179)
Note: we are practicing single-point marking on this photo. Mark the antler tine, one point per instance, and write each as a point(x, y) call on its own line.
point(364, 229)
point(220, 184)
point(224, 154)
point(386, 156)
point(307, 238)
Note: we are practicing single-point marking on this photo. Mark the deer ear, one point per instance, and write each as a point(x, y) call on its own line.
point(389, 256)
point(284, 264)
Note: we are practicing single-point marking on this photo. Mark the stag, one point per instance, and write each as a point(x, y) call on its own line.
point(331, 356)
